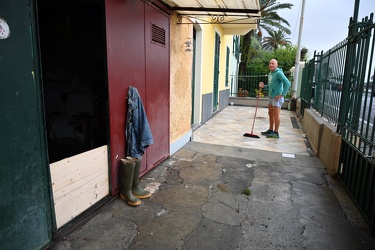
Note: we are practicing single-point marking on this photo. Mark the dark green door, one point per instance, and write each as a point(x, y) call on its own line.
point(216, 73)
point(25, 204)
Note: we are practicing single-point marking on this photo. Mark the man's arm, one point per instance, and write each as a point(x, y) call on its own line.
point(286, 83)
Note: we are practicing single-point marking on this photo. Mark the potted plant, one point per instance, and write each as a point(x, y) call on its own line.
point(303, 54)
point(242, 92)
point(261, 95)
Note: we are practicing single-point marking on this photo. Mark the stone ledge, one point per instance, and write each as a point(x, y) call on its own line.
point(252, 102)
point(324, 140)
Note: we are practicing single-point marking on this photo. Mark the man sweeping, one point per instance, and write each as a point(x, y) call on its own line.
point(278, 86)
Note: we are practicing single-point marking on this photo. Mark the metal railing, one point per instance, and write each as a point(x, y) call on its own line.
point(322, 82)
point(339, 85)
point(246, 85)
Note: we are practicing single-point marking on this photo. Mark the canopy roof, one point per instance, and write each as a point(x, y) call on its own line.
point(218, 6)
point(237, 17)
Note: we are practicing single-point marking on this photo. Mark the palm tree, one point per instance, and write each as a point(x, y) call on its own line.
point(276, 39)
point(269, 20)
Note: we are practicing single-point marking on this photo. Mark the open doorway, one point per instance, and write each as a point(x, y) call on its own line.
point(73, 56)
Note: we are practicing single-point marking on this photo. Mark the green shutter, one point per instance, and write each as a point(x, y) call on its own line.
point(227, 68)
point(216, 72)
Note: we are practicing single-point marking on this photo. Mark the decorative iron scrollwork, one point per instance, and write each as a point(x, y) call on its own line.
point(179, 19)
point(218, 18)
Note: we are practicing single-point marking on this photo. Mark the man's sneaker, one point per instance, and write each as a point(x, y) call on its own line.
point(268, 132)
point(273, 135)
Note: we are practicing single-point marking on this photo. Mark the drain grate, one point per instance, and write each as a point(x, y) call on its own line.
point(294, 122)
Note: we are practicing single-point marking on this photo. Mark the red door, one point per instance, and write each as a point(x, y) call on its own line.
point(157, 84)
point(133, 60)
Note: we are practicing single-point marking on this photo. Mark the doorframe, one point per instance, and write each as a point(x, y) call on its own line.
point(197, 81)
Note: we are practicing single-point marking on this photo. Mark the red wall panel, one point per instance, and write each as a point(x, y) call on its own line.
point(157, 78)
point(130, 65)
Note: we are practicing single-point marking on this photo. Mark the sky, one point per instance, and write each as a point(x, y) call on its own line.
point(325, 22)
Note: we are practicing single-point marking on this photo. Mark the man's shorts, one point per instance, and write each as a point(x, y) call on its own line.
point(275, 103)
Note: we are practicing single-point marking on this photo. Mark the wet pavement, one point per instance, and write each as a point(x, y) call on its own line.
point(212, 195)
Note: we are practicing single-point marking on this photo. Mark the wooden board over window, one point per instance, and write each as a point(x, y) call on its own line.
point(79, 182)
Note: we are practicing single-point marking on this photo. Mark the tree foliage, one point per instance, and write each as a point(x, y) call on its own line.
point(285, 57)
point(275, 40)
point(269, 21)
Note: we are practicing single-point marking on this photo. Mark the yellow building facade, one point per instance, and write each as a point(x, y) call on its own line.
point(200, 70)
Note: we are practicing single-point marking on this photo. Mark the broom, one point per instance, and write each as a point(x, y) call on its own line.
point(255, 115)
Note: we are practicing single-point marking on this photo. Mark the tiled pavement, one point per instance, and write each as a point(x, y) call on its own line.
point(229, 125)
point(196, 203)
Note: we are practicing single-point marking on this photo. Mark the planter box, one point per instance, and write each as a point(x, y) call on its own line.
point(252, 101)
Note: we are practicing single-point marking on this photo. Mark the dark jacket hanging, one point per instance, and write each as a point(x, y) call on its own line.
point(138, 133)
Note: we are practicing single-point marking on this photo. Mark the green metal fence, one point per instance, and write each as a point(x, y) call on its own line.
point(247, 85)
point(308, 84)
point(323, 81)
point(339, 85)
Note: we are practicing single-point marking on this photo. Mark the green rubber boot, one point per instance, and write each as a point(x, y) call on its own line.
point(126, 177)
point(136, 189)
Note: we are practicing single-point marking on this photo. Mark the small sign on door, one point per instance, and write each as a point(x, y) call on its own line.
point(4, 29)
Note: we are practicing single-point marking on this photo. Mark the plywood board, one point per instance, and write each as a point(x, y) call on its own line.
point(78, 182)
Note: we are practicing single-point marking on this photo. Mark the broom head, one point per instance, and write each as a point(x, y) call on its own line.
point(251, 135)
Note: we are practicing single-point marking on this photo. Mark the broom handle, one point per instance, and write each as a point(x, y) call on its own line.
point(256, 109)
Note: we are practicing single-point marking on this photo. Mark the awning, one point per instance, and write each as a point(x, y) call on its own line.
point(237, 17)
